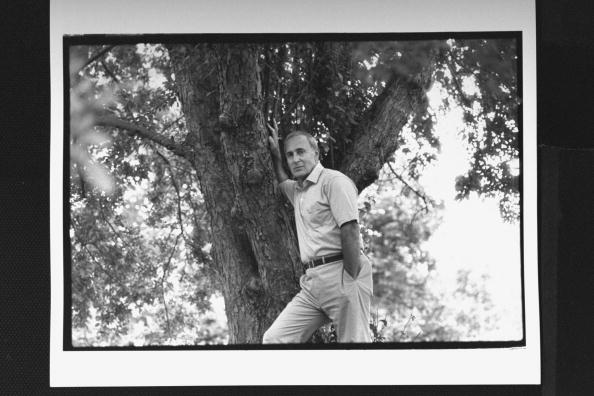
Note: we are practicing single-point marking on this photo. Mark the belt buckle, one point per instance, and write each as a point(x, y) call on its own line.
point(308, 264)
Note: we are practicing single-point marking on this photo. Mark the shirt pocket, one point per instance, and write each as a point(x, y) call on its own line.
point(318, 213)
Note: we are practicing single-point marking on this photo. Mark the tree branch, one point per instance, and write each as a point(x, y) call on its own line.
point(165, 269)
point(109, 72)
point(100, 266)
point(112, 121)
point(113, 228)
point(376, 137)
point(96, 56)
point(84, 244)
point(172, 123)
point(176, 187)
point(417, 193)
point(465, 101)
point(287, 112)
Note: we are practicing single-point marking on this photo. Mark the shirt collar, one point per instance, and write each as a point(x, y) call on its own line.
point(315, 173)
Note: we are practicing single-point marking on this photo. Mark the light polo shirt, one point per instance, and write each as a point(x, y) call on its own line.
point(325, 201)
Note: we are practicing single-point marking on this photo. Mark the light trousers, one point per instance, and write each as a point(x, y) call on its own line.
point(328, 293)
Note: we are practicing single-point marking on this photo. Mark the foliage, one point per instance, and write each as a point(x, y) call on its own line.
point(397, 220)
point(491, 117)
point(141, 244)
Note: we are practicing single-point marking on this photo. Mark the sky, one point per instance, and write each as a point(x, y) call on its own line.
point(472, 234)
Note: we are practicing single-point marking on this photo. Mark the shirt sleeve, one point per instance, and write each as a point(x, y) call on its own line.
point(342, 196)
point(288, 188)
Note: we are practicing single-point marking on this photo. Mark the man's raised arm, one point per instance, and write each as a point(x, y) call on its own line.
point(277, 160)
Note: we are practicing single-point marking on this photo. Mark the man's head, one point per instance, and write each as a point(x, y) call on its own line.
point(301, 150)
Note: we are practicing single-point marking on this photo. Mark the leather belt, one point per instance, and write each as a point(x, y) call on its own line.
point(322, 260)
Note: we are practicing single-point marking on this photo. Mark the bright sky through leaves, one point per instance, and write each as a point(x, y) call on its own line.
point(472, 235)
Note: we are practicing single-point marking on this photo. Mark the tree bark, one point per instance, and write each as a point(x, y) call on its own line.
point(254, 244)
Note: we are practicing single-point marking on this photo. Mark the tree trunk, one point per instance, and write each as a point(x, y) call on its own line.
point(254, 245)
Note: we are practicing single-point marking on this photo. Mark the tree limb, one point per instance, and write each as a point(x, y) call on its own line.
point(165, 269)
point(172, 123)
point(176, 187)
point(377, 136)
point(96, 56)
point(287, 112)
point(113, 228)
point(112, 121)
point(417, 193)
point(465, 101)
point(97, 262)
point(109, 72)
point(100, 266)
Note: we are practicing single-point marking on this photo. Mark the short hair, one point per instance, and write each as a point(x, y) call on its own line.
point(312, 140)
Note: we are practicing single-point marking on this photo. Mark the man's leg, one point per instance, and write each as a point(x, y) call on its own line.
point(300, 318)
point(348, 302)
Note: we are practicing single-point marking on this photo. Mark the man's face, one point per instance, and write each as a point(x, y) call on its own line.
point(301, 157)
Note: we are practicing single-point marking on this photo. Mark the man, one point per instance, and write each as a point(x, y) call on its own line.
point(337, 283)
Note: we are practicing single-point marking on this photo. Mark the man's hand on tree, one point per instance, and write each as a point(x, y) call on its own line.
point(280, 173)
point(273, 141)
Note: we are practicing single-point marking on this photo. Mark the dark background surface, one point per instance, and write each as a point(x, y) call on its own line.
point(566, 218)
point(565, 61)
